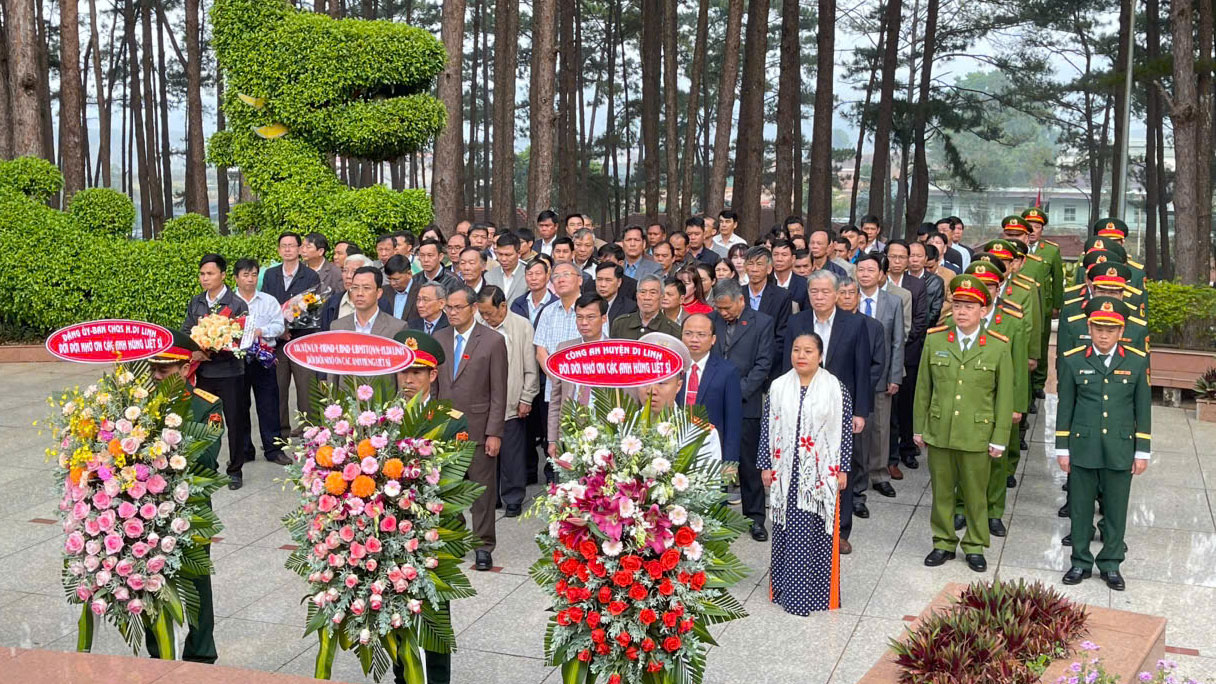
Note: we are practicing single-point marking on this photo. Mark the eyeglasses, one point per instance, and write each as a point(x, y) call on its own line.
point(456, 307)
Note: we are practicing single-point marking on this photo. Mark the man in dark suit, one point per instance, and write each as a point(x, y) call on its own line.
point(400, 297)
point(221, 374)
point(474, 379)
point(713, 382)
point(784, 276)
point(745, 338)
point(608, 278)
point(897, 266)
point(764, 296)
point(283, 282)
point(611, 254)
point(846, 355)
point(429, 303)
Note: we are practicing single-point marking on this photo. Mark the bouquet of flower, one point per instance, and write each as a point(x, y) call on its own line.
point(637, 551)
point(260, 352)
point(135, 503)
point(303, 311)
point(379, 527)
point(219, 332)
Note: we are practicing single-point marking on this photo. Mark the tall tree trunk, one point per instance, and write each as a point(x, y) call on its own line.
point(819, 200)
point(506, 46)
point(579, 132)
point(918, 191)
point(789, 111)
point(71, 101)
point(6, 104)
point(1152, 121)
point(47, 127)
point(151, 173)
point(486, 111)
point(140, 155)
point(469, 192)
point(166, 156)
point(1117, 174)
point(1191, 112)
point(715, 196)
point(749, 143)
point(567, 122)
point(880, 167)
point(221, 172)
point(651, 52)
point(671, 91)
point(196, 168)
point(542, 117)
point(861, 125)
point(447, 172)
point(611, 135)
point(103, 102)
point(695, 78)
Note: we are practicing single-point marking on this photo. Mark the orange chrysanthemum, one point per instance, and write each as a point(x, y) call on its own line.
point(115, 447)
point(325, 456)
point(366, 449)
point(393, 468)
point(334, 484)
point(363, 486)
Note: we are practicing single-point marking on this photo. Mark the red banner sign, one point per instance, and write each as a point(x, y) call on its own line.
point(614, 363)
point(345, 352)
point(109, 341)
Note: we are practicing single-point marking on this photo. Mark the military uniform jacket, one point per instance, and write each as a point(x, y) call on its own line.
point(1009, 323)
point(1104, 416)
point(964, 400)
point(1025, 295)
point(1073, 329)
point(1050, 253)
point(207, 409)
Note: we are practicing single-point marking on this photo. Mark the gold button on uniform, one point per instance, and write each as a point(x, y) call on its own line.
point(1104, 431)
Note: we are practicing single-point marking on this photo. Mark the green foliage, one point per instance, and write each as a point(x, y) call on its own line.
point(1205, 385)
point(1181, 315)
point(188, 227)
point(103, 211)
point(35, 178)
point(994, 633)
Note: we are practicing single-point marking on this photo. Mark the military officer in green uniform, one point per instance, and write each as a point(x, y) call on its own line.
point(1108, 279)
point(963, 413)
point(1103, 436)
point(1115, 229)
point(417, 381)
point(1099, 249)
point(1049, 252)
point(205, 408)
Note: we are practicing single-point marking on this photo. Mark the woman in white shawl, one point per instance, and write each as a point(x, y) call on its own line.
point(806, 444)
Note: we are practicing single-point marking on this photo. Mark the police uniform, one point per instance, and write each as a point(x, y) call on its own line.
point(1103, 425)
point(1047, 254)
point(964, 408)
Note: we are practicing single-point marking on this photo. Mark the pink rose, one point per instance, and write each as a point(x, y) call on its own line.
point(424, 449)
point(112, 487)
point(99, 606)
point(181, 493)
point(83, 593)
point(374, 509)
point(122, 594)
point(332, 541)
point(109, 562)
point(405, 526)
point(140, 549)
point(320, 550)
point(135, 606)
point(388, 523)
point(123, 425)
point(147, 511)
point(76, 568)
point(369, 465)
point(92, 547)
point(74, 544)
point(435, 507)
point(357, 607)
point(376, 602)
point(347, 533)
point(166, 508)
point(350, 471)
point(326, 503)
point(136, 582)
point(103, 577)
point(92, 527)
point(400, 586)
point(374, 545)
point(171, 437)
point(411, 545)
point(106, 520)
point(336, 560)
point(432, 535)
point(157, 484)
point(102, 500)
point(155, 582)
point(137, 490)
point(168, 544)
point(113, 543)
point(127, 510)
point(124, 567)
point(351, 581)
point(91, 563)
point(409, 573)
point(81, 510)
point(133, 527)
point(370, 564)
point(357, 551)
point(129, 445)
point(156, 564)
point(179, 525)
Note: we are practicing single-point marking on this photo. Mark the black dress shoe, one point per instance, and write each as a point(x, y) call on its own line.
point(1034, 407)
point(1067, 540)
point(910, 462)
point(759, 533)
point(279, 457)
point(885, 489)
point(996, 528)
point(1075, 575)
point(1011, 482)
point(1024, 445)
point(1040, 394)
point(1064, 487)
point(1063, 511)
point(861, 511)
point(484, 561)
point(976, 562)
point(1113, 580)
point(513, 510)
point(937, 557)
point(235, 481)
point(959, 521)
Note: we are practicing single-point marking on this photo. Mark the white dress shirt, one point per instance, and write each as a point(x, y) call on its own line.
point(359, 327)
point(824, 330)
point(211, 302)
point(265, 314)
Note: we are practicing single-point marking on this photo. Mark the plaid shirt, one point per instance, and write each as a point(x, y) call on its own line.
point(554, 325)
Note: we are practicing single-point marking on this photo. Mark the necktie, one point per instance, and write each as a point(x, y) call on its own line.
point(966, 343)
point(870, 307)
point(694, 383)
point(456, 355)
point(430, 327)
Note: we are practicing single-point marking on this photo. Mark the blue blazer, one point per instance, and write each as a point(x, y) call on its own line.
point(719, 393)
point(520, 306)
point(848, 354)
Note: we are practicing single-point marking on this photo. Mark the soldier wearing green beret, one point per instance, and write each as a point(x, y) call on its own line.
point(963, 414)
point(1103, 436)
point(205, 409)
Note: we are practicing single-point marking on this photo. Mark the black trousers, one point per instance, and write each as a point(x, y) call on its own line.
point(229, 392)
point(751, 488)
point(512, 461)
point(537, 427)
point(901, 419)
point(264, 385)
point(438, 668)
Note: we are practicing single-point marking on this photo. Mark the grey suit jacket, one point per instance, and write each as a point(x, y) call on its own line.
point(494, 276)
point(331, 277)
point(523, 373)
point(645, 266)
point(480, 386)
point(906, 298)
point(889, 311)
point(384, 326)
point(559, 392)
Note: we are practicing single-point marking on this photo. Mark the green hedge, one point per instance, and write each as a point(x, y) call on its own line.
point(35, 178)
point(103, 211)
point(188, 227)
point(1181, 315)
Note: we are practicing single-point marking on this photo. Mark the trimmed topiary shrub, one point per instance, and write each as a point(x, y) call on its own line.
point(188, 227)
point(35, 178)
point(103, 211)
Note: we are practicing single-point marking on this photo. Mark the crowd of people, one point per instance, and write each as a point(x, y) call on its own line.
point(828, 361)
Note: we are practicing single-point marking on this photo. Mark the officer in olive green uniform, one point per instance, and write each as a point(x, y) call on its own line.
point(1103, 436)
point(419, 379)
point(1115, 229)
point(205, 408)
point(963, 413)
point(1107, 279)
point(1049, 252)
point(1099, 250)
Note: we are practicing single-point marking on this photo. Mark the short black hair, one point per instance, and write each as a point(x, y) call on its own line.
point(290, 234)
point(791, 220)
point(870, 218)
point(507, 239)
point(802, 253)
point(926, 227)
point(492, 294)
point(460, 236)
point(632, 227)
point(850, 228)
point(678, 234)
point(547, 215)
point(879, 259)
point(317, 240)
point(694, 221)
point(407, 237)
point(931, 251)
point(676, 283)
point(780, 243)
point(432, 242)
point(396, 264)
point(618, 271)
point(479, 228)
point(376, 274)
point(663, 243)
point(386, 236)
point(611, 249)
point(570, 216)
point(352, 249)
point(525, 234)
point(729, 214)
point(220, 262)
point(563, 240)
point(591, 299)
point(537, 261)
point(245, 264)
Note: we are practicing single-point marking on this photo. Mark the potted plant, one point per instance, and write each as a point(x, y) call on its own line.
point(1205, 396)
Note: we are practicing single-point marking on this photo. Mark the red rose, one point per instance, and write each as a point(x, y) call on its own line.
point(563, 618)
point(631, 653)
point(685, 625)
point(671, 644)
point(593, 619)
point(569, 566)
point(685, 536)
point(631, 563)
point(588, 548)
point(679, 609)
point(603, 649)
point(617, 607)
point(623, 639)
point(637, 592)
point(598, 635)
point(698, 581)
point(655, 569)
point(584, 655)
point(557, 556)
point(622, 578)
point(684, 577)
point(666, 588)
point(670, 619)
point(670, 559)
point(647, 617)
point(605, 594)
point(575, 613)
point(614, 679)
point(561, 586)
point(597, 568)
point(582, 574)
point(648, 644)
point(654, 666)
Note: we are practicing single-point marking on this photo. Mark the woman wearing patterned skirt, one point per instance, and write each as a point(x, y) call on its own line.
point(806, 444)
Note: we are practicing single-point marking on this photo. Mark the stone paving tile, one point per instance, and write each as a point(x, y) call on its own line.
point(1170, 566)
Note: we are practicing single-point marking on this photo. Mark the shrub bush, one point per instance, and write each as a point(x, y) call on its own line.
point(1181, 315)
point(188, 227)
point(35, 178)
point(103, 211)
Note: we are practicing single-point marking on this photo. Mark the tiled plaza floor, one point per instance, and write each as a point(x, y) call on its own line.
point(1170, 569)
